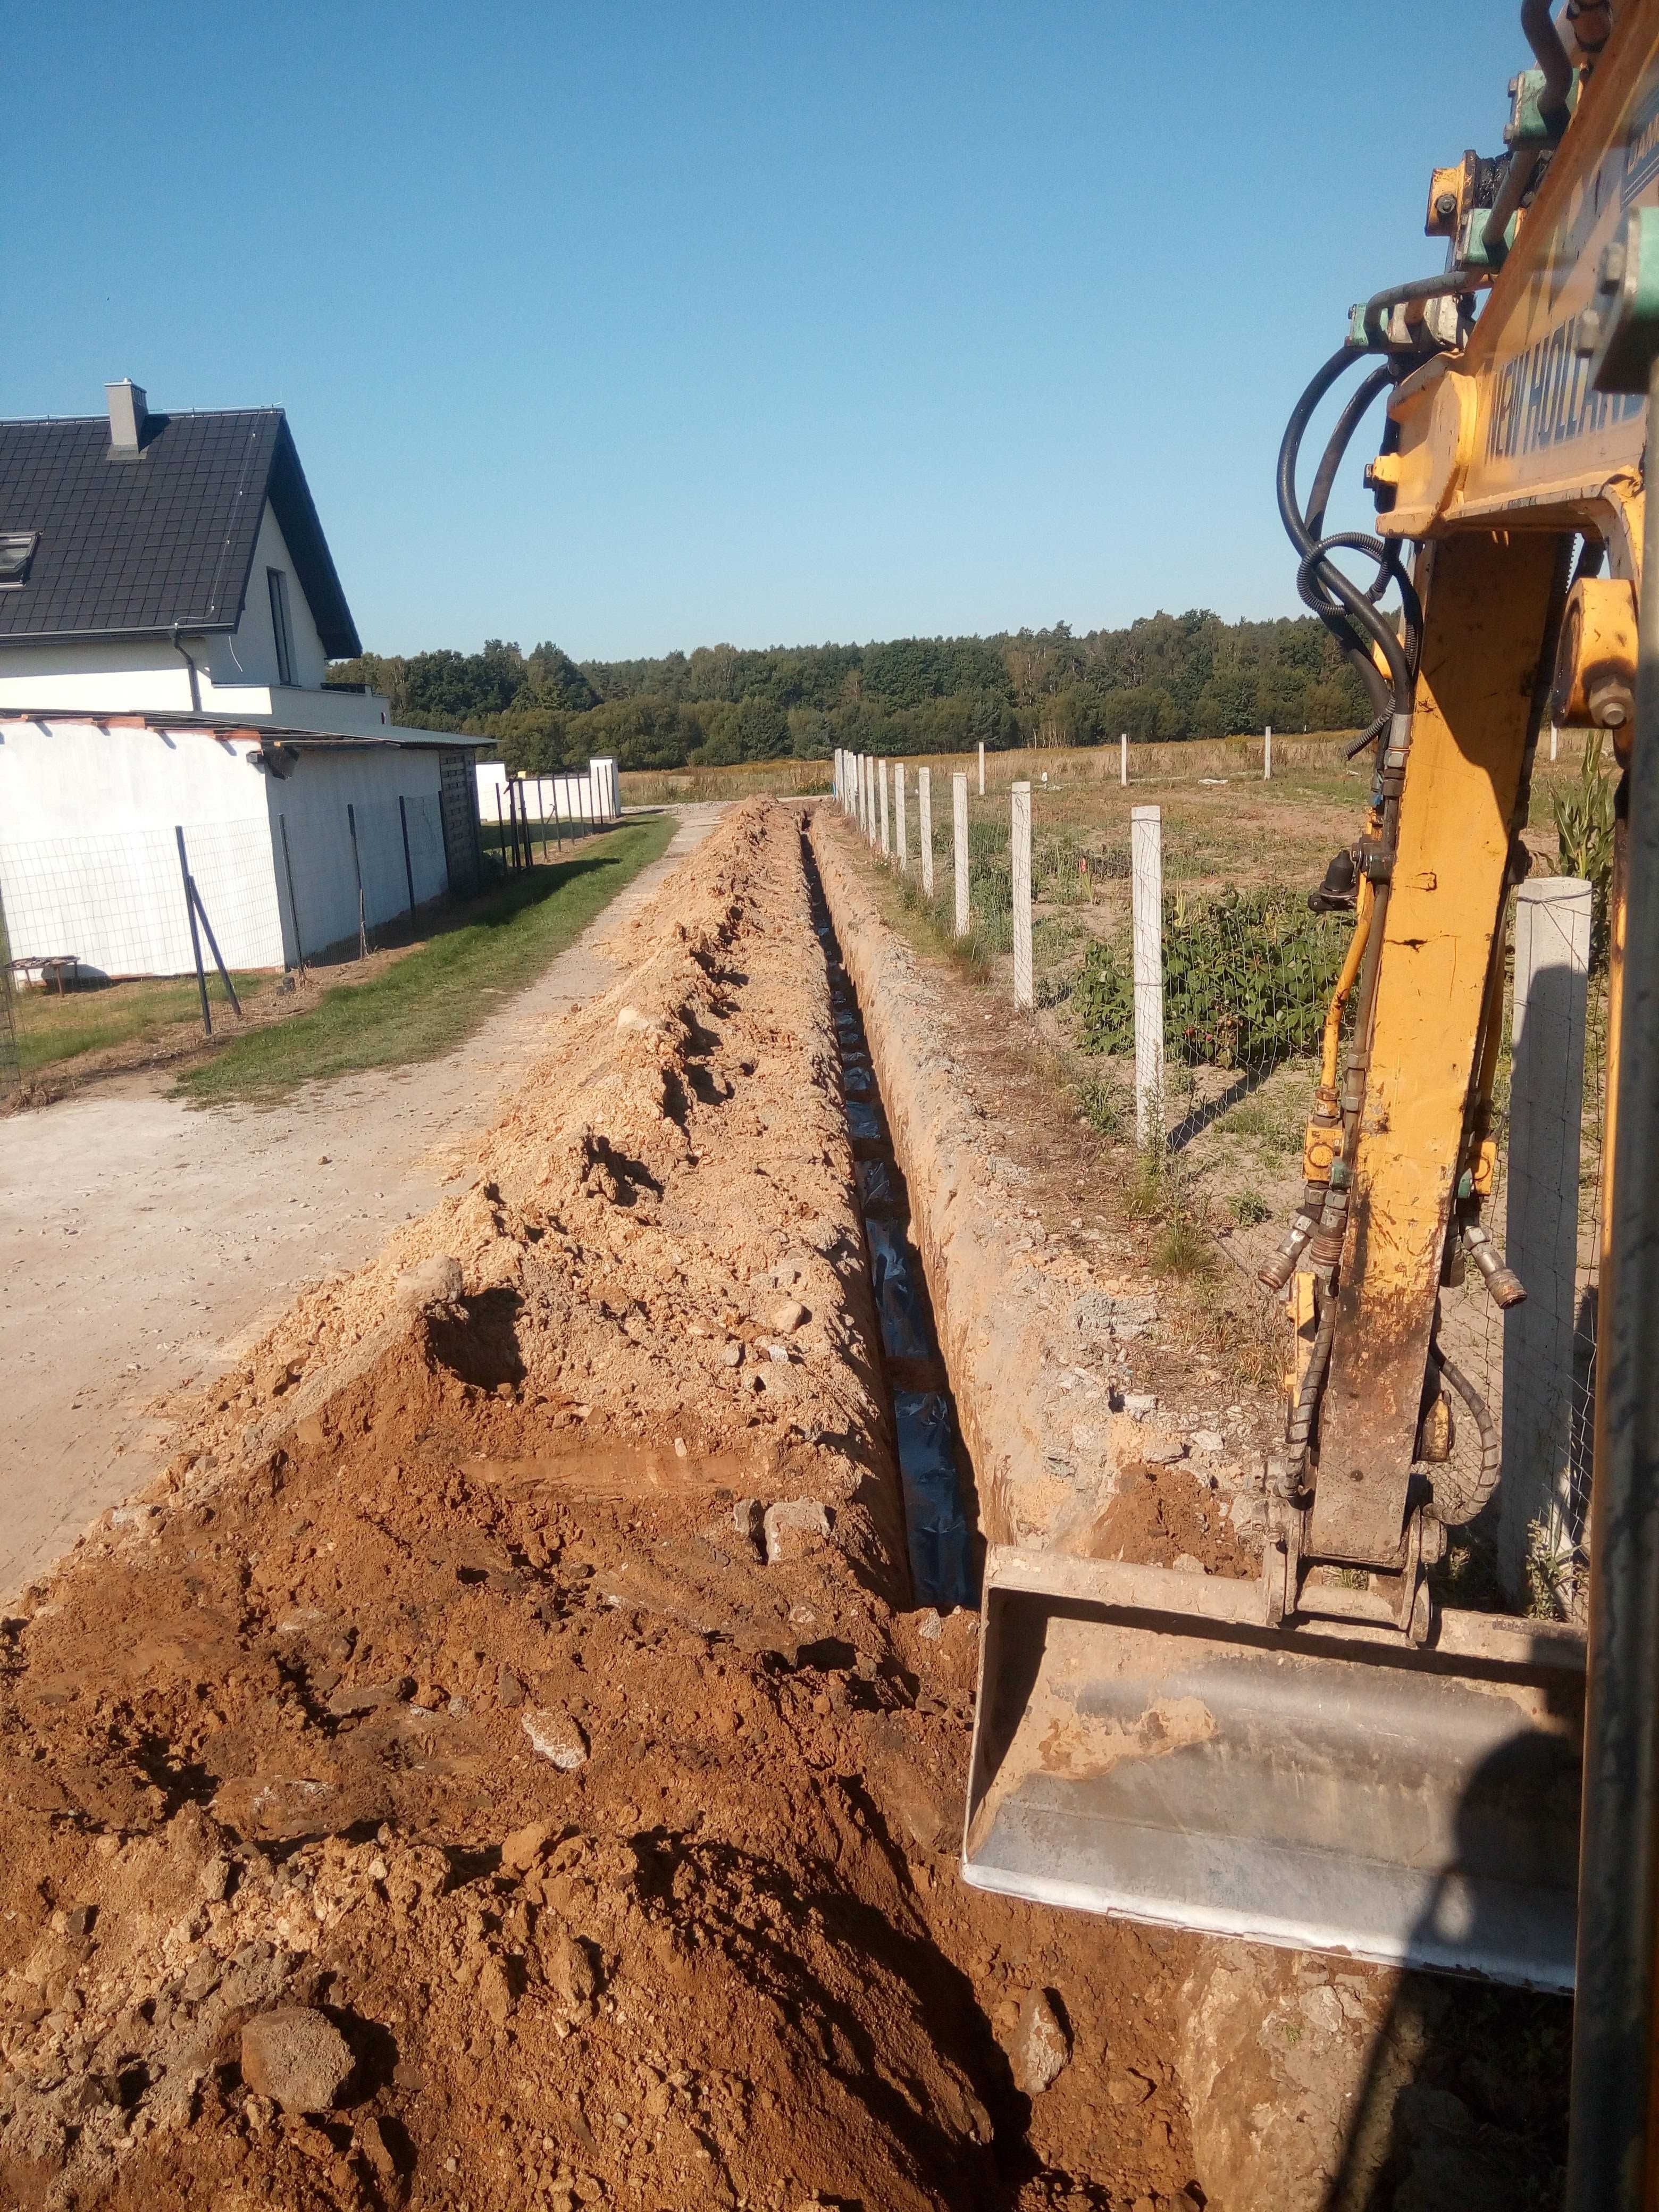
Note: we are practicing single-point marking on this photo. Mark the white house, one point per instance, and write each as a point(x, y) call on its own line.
point(169, 608)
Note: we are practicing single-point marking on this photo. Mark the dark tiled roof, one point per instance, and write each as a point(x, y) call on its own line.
point(132, 546)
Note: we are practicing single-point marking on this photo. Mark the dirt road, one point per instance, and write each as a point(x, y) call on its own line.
point(143, 1243)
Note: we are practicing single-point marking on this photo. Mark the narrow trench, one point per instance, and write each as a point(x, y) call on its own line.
point(945, 1549)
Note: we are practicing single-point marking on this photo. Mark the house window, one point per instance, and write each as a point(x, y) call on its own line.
point(280, 626)
point(16, 552)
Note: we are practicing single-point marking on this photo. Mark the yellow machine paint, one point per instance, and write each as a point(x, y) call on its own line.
point(1354, 1766)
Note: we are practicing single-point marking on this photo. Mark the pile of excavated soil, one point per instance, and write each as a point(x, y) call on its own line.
point(500, 1766)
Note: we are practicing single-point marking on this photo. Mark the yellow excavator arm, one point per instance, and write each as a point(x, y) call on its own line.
point(1333, 1758)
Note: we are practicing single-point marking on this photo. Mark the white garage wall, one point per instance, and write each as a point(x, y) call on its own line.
point(89, 860)
point(115, 900)
point(88, 857)
point(313, 801)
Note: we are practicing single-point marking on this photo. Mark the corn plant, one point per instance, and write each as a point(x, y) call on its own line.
point(1583, 814)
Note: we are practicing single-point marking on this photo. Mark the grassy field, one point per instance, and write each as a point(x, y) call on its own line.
point(435, 996)
point(779, 779)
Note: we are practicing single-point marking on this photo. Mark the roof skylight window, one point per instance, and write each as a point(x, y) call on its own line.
point(16, 552)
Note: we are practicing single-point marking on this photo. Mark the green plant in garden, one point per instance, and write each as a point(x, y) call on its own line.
point(1184, 1248)
point(1105, 1106)
point(1247, 979)
point(1583, 814)
point(1249, 1207)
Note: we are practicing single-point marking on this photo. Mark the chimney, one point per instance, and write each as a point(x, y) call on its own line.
point(128, 412)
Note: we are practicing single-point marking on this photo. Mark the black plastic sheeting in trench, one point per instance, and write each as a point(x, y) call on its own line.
point(943, 1552)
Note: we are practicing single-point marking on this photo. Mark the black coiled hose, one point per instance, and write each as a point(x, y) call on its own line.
point(1350, 612)
point(1455, 1504)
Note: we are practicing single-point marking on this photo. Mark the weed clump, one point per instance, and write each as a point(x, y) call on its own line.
point(1247, 979)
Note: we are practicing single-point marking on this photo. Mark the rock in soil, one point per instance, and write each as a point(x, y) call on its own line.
point(1041, 2046)
point(296, 2056)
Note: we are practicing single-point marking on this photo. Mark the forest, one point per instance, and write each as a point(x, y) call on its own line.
point(1164, 676)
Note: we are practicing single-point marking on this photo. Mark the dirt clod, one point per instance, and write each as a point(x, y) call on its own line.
point(792, 1527)
point(296, 2056)
point(431, 1283)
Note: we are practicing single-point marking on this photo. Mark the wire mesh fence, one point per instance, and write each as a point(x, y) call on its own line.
point(113, 903)
point(314, 877)
point(1245, 971)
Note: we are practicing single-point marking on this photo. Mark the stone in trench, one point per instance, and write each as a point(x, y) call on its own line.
point(495, 1991)
point(1208, 1440)
point(375, 2142)
point(1042, 2045)
point(1098, 1314)
point(554, 1734)
point(1139, 1405)
point(790, 1526)
point(296, 2056)
point(431, 1282)
point(567, 1964)
point(788, 1316)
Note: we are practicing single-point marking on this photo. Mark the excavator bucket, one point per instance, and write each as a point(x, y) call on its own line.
point(1145, 1746)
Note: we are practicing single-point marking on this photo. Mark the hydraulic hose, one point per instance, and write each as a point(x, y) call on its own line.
point(1345, 982)
point(1307, 1398)
point(1348, 611)
point(1551, 55)
point(1379, 382)
point(1454, 1505)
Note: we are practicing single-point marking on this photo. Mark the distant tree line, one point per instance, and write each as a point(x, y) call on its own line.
point(1165, 676)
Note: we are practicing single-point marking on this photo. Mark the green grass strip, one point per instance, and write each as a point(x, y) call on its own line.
point(435, 997)
point(50, 1029)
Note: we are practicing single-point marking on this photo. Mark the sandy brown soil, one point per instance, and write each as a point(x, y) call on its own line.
point(457, 1688)
point(147, 1245)
point(501, 1765)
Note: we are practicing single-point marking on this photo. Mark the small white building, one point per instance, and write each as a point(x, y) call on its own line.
point(168, 608)
point(593, 795)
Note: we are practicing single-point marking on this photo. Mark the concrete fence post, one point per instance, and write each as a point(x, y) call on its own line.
point(981, 767)
point(1021, 845)
point(1146, 853)
point(898, 808)
point(959, 847)
point(886, 826)
point(1547, 1096)
point(1268, 754)
point(1555, 740)
point(866, 772)
point(925, 827)
point(840, 797)
point(1123, 760)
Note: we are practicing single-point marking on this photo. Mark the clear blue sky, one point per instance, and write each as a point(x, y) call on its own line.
point(639, 327)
